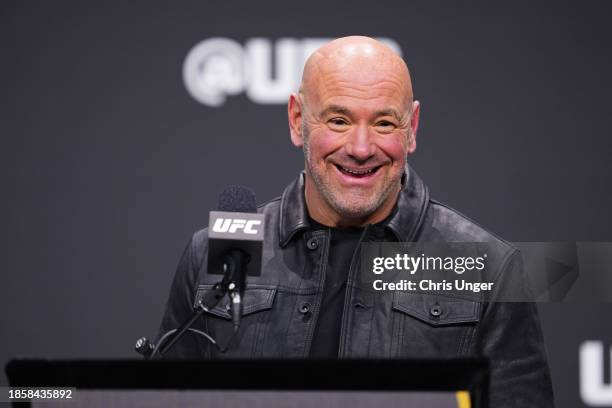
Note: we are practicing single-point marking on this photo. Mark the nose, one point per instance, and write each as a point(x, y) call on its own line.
point(360, 145)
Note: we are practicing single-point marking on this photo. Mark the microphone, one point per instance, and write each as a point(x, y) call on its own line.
point(236, 234)
point(235, 240)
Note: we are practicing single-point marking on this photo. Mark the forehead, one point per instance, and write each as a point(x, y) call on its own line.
point(360, 85)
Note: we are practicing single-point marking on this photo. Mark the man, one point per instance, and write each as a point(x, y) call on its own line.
point(356, 120)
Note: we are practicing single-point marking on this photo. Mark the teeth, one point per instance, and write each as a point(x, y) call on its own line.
point(358, 172)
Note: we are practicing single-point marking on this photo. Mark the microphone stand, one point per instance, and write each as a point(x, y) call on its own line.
point(235, 262)
point(233, 282)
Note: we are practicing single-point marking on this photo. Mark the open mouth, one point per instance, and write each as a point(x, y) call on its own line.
point(357, 172)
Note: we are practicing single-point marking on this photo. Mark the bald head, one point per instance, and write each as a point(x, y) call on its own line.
point(358, 59)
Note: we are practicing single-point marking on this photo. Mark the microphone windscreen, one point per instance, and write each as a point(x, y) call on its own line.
point(237, 199)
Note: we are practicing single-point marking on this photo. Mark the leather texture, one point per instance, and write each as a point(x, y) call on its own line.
point(281, 306)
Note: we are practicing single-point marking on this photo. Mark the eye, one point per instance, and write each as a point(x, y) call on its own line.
point(385, 126)
point(337, 123)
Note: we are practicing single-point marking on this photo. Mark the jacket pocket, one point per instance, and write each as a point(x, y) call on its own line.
point(432, 325)
point(254, 325)
point(437, 310)
point(254, 300)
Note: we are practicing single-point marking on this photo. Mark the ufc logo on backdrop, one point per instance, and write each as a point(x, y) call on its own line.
point(266, 70)
point(231, 226)
point(593, 390)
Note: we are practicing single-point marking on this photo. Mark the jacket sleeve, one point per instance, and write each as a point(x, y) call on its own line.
point(179, 307)
point(511, 338)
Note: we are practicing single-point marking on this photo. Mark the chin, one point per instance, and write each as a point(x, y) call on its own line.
point(348, 209)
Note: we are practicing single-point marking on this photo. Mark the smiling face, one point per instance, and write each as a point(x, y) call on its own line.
point(356, 121)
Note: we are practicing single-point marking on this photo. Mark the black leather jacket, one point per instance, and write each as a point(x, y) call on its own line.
point(281, 306)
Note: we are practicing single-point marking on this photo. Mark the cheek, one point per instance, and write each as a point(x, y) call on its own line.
point(322, 144)
point(395, 148)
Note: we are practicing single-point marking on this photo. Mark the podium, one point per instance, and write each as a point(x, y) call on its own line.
point(423, 383)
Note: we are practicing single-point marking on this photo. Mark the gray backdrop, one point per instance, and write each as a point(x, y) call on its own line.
point(108, 164)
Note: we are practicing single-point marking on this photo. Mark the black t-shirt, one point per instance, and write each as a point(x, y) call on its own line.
point(341, 249)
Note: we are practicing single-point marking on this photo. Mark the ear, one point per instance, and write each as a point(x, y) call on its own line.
point(414, 126)
point(294, 111)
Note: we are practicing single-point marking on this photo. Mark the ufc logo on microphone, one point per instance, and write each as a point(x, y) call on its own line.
point(233, 225)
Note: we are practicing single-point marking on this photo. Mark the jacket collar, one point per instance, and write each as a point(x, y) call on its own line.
point(404, 222)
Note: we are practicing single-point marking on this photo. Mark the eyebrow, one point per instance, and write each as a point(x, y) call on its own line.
point(336, 109)
point(389, 112)
point(345, 111)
